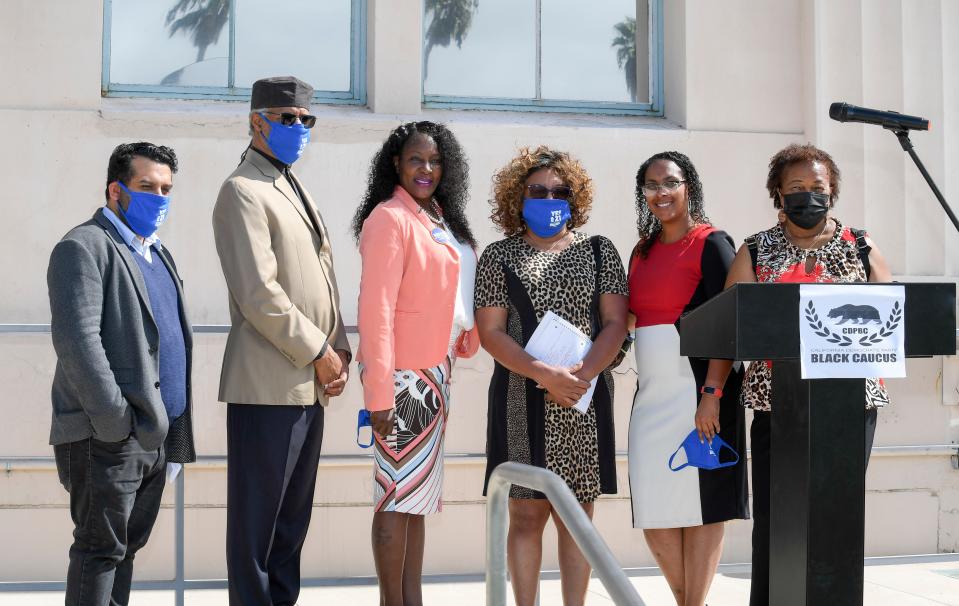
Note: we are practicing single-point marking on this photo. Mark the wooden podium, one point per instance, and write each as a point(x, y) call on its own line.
point(817, 473)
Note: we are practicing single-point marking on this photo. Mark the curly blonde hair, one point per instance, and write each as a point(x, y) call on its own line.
point(509, 187)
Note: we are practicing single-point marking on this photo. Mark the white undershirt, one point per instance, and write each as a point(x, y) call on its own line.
point(463, 318)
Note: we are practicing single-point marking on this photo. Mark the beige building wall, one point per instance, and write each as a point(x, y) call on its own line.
point(742, 79)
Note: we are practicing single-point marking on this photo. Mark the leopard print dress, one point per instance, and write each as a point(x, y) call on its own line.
point(523, 425)
point(779, 260)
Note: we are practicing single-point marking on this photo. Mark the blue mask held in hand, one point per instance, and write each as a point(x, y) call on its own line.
point(705, 454)
point(145, 212)
point(363, 419)
point(287, 142)
point(545, 217)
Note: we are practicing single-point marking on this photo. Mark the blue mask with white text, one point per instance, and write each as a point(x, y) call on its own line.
point(287, 142)
point(545, 217)
point(145, 212)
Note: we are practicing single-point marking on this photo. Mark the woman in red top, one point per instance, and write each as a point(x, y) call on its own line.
point(679, 263)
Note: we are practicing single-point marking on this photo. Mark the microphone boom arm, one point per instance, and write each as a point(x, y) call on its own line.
point(906, 143)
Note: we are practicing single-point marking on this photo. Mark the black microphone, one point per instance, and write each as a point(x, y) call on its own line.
point(844, 112)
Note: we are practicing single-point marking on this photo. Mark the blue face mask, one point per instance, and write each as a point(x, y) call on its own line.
point(545, 217)
point(287, 142)
point(363, 419)
point(145, 212)
point(705, 454)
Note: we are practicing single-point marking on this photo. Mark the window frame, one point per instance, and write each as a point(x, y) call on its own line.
point(355, 96)
point(652, 108)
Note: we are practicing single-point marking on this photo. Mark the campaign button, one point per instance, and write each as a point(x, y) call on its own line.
point(440, 235)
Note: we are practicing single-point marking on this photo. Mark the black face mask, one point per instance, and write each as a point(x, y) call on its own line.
point(806, 209)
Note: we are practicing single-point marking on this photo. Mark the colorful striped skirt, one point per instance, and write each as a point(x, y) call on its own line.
point(408, 470)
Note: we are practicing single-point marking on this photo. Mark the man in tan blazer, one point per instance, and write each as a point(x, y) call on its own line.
point(287, 353)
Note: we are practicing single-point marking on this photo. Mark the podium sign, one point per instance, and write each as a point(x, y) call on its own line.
point(851, 331)
point(817, 448)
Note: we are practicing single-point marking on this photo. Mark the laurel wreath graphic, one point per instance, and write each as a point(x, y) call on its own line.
point(895, 317)
point(823, 331)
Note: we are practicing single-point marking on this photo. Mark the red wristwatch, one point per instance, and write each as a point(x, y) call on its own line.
point(713, 391)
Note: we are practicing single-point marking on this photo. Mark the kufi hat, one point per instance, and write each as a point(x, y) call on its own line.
point(281, 91)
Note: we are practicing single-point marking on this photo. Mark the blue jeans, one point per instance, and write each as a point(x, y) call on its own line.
point(115, 490)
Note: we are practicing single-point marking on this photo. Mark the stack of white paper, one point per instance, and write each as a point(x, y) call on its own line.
point(558, 343)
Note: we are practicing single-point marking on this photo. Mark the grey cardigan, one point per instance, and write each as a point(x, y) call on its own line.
point(106, 384)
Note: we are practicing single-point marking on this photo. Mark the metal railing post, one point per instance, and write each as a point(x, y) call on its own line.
point(497, 516)
point(179, 577)
point(595, 550)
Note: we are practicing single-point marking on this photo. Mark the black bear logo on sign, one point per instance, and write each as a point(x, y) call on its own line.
point(859, 314)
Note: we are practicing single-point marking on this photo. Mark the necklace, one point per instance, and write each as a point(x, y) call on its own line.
point(684, 237)
point(552, 246)
point(433, 211)
point(792, 239)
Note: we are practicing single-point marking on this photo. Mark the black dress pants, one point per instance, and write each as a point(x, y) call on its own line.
point(115, 490)
point(272, 458)
point(759, 434)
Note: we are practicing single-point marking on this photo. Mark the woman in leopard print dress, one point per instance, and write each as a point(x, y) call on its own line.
point(806, 245)
point(543, 265)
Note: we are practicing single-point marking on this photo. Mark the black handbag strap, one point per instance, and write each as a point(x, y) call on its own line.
point(863, 248)
point(753, 247)
point(596, 323)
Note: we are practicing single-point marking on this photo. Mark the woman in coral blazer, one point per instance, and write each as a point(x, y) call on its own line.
point(415, 319)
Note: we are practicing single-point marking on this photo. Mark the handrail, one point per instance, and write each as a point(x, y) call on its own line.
point(197, 328)
point(570, 511)
point(45, 328)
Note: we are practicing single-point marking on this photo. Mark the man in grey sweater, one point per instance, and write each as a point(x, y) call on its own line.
point(121, 391)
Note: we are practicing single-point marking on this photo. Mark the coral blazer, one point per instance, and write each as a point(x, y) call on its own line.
point(407, 295)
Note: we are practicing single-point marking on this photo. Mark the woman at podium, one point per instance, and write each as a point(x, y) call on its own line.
point(680, 261)
point(808, 244)
point(545, 263)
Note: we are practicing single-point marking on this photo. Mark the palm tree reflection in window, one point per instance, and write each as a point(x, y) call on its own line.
point(450, 22)
point(203, 22)
point(625, 45)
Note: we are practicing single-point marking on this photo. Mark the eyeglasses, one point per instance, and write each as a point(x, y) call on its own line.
point(288, 119)
point(651, 189)
point(560, 192)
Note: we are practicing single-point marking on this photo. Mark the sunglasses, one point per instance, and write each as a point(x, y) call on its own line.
point(560, 192)
point(288, 119)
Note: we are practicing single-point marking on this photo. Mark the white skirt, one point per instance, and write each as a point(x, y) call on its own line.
point(664, 411)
